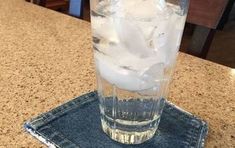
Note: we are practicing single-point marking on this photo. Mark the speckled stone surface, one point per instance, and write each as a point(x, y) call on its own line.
point(46, 59)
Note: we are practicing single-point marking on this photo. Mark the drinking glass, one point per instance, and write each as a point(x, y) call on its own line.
point(135, 46)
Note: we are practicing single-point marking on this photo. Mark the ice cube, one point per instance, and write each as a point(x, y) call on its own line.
point(153, 74)
point(152, 79)
point(140, 8)
point(132, 38)
point(129, 73)
point(168, 36)
point(114, 74)
point(103, 27)
point(147, 29)
point(161, 34)
point(151, 92)
point(130, 63)
point(162, 4)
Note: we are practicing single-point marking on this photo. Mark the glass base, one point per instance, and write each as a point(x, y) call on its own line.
point(126, 137)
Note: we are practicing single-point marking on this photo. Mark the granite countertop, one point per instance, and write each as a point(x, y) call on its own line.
point(46, 59)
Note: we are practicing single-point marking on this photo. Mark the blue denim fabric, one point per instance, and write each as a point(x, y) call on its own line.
point(77, 124)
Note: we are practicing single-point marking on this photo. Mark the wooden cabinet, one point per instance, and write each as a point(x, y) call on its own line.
point(56, 4)
point(52, 4)
point(206, 12)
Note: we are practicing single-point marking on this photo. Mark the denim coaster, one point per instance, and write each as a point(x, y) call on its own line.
point(76, 124)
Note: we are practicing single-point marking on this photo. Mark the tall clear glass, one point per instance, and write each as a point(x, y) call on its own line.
point(135, 47)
